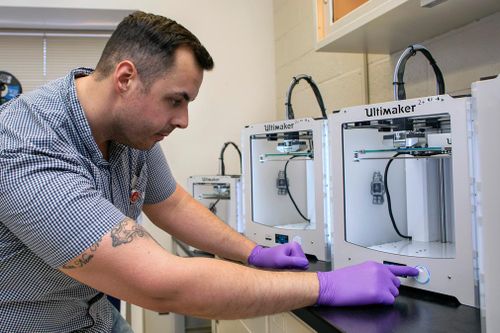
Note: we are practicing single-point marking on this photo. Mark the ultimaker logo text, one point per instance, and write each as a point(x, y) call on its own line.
point(381, 111)
point(274, 127)
point(210, 179)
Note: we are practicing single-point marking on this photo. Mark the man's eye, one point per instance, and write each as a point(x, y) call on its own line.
point(175, 102)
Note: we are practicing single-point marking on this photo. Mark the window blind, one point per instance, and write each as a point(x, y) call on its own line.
point(35, 58)
point(66, 53)
point(23, 58)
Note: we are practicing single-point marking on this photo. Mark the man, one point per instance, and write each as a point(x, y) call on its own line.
point(80, 160)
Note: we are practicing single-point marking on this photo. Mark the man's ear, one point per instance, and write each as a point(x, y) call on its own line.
point(123, 76)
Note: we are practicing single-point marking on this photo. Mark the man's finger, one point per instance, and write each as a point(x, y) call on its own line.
point(403, 270)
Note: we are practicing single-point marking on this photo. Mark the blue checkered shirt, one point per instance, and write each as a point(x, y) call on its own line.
point(58, 196)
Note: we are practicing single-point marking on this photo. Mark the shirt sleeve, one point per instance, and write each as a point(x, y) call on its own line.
point(160, 182)
point(50, 202)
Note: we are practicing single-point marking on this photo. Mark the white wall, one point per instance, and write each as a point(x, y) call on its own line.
point(346, 79)
point(240, 89)
point(340, 76)
point(464, 55)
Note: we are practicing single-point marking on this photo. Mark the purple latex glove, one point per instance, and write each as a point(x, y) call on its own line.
point(363, 284)
point(288, 255)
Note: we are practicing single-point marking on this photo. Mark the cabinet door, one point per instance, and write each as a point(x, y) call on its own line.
point(230, 326)
point(256, 325)
point(388, 26)
point(252, 325)
point(155, 322)
point(279, 323)
point(287, 323)
point(344, 7)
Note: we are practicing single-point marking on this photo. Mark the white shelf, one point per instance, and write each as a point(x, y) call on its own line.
point(387, 26)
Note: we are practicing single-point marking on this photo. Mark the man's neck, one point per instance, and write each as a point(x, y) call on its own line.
point(93, 98)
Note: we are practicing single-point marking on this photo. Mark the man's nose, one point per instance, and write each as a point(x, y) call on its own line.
point(182, 119)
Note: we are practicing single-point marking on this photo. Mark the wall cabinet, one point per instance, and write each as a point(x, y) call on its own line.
point(387, 26)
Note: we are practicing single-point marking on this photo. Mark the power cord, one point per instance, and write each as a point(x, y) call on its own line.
point(389, 205)
point(288, 104)
point(290, 194)
point(399, 88)
point(221, 157)
point(212, 207)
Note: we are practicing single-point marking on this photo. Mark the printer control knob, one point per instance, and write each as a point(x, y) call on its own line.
point(297, 239)
point(424, 276)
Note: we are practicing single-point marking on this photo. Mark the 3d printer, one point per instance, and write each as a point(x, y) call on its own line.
point(285, 187)
point(402, 191)
point(486, 183)
point(221, 193)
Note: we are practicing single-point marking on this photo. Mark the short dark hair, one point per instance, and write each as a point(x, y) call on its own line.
point(149, 41)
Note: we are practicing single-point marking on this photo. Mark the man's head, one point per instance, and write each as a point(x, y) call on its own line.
point(151, 68)
point(149, 41)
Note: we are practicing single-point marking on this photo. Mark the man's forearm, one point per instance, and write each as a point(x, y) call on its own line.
point(189, 221)
point(214, 236)
point(127, 263)
point(221, 290)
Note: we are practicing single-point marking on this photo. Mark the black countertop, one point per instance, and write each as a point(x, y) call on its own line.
point(410, 313)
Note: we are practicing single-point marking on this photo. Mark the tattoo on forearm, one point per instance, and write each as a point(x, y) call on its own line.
point(126, 231)
point(123, 233)
point(84, 258)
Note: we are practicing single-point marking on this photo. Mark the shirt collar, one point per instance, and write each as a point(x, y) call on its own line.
point(80, 121)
